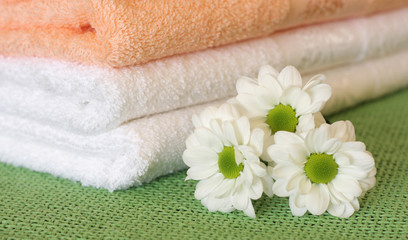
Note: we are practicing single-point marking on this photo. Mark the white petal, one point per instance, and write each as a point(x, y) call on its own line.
point(279, 188)
point(249, 211)
point(239, 157)
point(198, 172)
point(355, 146)
point(243, 131)
point(342, 159)
point(302, 104)
point(270, 82)
point(251, 105)
point(267, 98)
point(306, 123)
point(355, 204)
point(251, 95)
point(343, 130)
point(246, 85)
point(267, 70)
point(316, 138)
point(337, 196)
point(215, 126)
point(218, 204)
point(298, 155)
point(267, 183)
point(317, 201)
point(289, 76)
point(259, 122)
point(294, 181)
point(256, 189)
point(192, 141)
point(246, 175)
point(256, 141)
point(258, 169)
point(348, 211)
point(248, 153)
point(200, 156)
point(268, 141)
point(209, 139)
point(224, 189)
point(278, 154)
point(344, 209)
point(361, 159)
point(369, 182)
point(227, 112)
point(330, 146)
point(205, 117)
point(286, 170)
point(206, 186)
point(290, 96)
point(372, 172)
point(318, 119)
point(353, 171)
point(346, 185)
point(337, 210)
point(240, 199)
point(320, 92)
point(319, 95)
point(229, 133)
point(299, 200)
point(305, 185)
point(283, 137)
point(315, 107)
point(196, 121)
point(296, 211)
point(313, 81)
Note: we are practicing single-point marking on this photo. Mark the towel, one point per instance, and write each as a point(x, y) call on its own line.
point(145, 148)
point(91, 100)
point(121, 33)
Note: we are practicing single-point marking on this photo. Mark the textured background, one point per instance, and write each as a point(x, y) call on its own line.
point(39, 206)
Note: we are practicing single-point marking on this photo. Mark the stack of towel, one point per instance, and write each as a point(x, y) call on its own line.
point(102, 92)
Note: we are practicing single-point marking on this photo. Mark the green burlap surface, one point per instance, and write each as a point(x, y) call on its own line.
point(38, 206)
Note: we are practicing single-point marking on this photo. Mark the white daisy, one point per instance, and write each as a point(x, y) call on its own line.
point(325, 170)
point(223, 154)
point(277, 102)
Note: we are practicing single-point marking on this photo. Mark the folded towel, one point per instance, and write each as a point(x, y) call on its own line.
point(130, 155)
point(143, 149)
point(121, 33)
point(91, 100)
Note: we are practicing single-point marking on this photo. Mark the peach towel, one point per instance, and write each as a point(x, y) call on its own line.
point(120, 33)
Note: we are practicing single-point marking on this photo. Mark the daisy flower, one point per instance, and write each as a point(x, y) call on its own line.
point(223, 154)
point(278, 102)
point(325, 170)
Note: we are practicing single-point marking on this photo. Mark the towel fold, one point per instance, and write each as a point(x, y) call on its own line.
point(130, 155)
point(143, 149)
point(121, 33)
point(90, 100)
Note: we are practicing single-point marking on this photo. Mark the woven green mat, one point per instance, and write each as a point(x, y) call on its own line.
point(39, 206)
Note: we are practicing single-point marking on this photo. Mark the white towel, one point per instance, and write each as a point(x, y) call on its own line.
point(91, 100)
point(129, 155)
point(146, 148)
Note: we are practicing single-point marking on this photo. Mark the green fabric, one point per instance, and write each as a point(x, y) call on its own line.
point(39, 206)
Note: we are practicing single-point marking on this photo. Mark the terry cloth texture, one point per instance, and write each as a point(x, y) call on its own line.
point(121, 33)
point(91, 100)
point(38, 206)
point(132, 154)
point(146, 148)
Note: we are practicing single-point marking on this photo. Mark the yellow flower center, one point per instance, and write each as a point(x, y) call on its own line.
point(321, 168)
point(227, 164)
point(282, 118)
